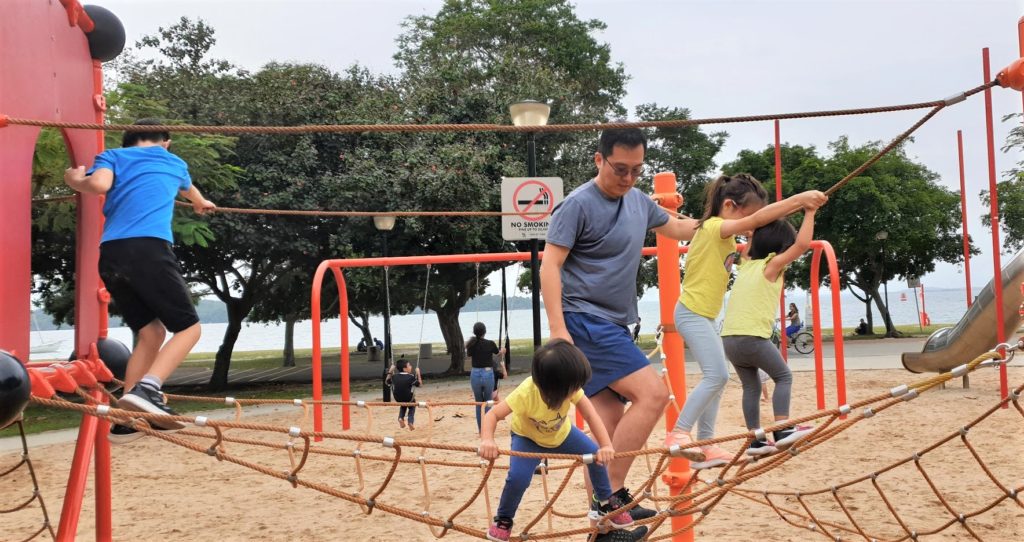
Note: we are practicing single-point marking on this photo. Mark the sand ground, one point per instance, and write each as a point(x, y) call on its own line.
point(166, 492)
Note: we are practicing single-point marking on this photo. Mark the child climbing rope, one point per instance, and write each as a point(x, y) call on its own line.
point(749, 318)
point(402, 383)
point(540, 424)
point(734, 204)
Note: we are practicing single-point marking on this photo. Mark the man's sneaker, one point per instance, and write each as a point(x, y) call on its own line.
point(623, 535)
point(761, 448)
point(143, 398)
point(617, 521)
point(122, 434)
point(637, 512)
point(500, 530)
point(713, 457)
point(681, 439)
point(784, 438)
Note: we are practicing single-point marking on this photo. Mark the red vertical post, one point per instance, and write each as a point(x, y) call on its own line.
point(783, 347)
point(963, 216)
point(997, 267)
point(1020, 43)
point(678, 474)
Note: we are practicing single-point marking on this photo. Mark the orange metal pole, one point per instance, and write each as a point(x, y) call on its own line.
point(963, 216)
point(783, 347)
point(837, 318)
point(997, 267)
point(678, 474)
point(819, 377)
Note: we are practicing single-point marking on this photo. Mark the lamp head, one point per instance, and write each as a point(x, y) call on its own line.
point(384, 223)
point(529, 113)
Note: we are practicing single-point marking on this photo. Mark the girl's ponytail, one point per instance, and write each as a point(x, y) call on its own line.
point(742, 188)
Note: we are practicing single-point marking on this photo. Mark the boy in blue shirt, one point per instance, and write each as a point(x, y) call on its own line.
point(138, 266)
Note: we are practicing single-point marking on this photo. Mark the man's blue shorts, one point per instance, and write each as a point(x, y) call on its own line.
point(609, 348)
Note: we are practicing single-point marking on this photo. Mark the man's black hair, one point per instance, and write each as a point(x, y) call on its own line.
point(131, 139)
point(626, 137)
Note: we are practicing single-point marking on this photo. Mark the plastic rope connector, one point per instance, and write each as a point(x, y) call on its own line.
point(868, 413)
point(229, 400)
point(361, 404)
point(490, 403)
point(955, 99)
point(844, 409)
point(759, 434)
point(911, 395)
point(201, 421)
point(102, 410)
point(587, 459)
point(422, 404)
point(294, 432)
point(357, 453)
point(959, 370)
point(898, 390)
point(674, 450)
point(671, 398)
point(388, 442)
point(297, 402)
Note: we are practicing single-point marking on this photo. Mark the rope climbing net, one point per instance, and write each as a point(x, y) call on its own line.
point(12, 471)
point(228, 440)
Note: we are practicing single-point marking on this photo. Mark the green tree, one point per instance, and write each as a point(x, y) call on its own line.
point(1010, 194)
point(895, 195)
point(466, 64)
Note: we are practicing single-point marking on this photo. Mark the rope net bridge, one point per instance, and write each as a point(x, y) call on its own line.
point(289, 453)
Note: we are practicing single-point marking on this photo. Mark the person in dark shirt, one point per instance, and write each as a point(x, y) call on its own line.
point(481, 378)
point(401, 388)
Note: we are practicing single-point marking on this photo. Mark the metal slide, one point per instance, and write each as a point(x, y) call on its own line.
point(975, 334)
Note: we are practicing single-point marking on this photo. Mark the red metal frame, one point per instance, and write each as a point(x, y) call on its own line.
point(963, 215)
point(335, 266)
point(997, 267)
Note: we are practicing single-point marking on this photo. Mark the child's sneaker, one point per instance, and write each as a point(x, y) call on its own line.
point(761, 448)
point(637, 512)
point(500, 530)
point(713, 457)
point(122, 434)
point(616, 535)
point(617, 521)
point(784, 438)
point(401, 423)
point(143, 398)
point(681, 439)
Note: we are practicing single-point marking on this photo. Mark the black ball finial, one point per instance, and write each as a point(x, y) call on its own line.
point(106, 40)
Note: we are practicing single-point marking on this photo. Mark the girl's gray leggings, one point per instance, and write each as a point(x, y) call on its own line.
point(748, 354)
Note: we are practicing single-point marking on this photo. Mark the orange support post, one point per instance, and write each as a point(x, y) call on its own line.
point(678, 474)
point(997, 266)
point(820, 247)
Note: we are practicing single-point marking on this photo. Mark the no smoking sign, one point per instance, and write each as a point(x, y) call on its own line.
point(531, 199)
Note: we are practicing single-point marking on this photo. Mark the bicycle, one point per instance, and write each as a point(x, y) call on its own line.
point(802, 341)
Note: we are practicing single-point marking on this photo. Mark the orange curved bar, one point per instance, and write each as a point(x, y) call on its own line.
point(825, 247)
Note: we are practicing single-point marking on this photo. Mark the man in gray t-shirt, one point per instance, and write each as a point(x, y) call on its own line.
point(588, 280)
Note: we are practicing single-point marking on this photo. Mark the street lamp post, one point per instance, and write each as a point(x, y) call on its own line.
point(532, 113)
point(384, 224)
point(882, 236)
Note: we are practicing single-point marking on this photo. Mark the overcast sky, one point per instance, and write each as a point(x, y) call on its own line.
point(717, 58)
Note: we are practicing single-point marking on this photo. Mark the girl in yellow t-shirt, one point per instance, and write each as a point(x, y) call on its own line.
point(540, 424)
point(733, 205)
point(750, 318)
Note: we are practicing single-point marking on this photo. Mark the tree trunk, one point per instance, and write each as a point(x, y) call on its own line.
point(361, 319)
point(449, 322)
point(219, 379)
point(866, 300)
point(890, 330)
point(289, 340)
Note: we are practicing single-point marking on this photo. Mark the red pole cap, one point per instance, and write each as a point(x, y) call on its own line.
point(1012, 76)
point(4, 119)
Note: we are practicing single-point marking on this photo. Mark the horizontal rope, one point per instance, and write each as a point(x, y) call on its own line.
point(390, 128)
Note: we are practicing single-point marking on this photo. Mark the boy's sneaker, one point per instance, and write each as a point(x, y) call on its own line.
point(761, 448)
point(143, 398)
point(713, 457)
point(500, 530)
point(122, 434)
point(681, 439)
point(623, 535)
point(784, 438)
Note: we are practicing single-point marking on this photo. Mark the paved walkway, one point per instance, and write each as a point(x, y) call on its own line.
point(860, 354)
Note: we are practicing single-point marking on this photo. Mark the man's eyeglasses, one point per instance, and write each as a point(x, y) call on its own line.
point(623, 171)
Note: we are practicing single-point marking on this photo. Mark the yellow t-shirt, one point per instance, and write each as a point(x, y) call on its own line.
point(708, 266)
point(533, 419)
point(754, 301)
